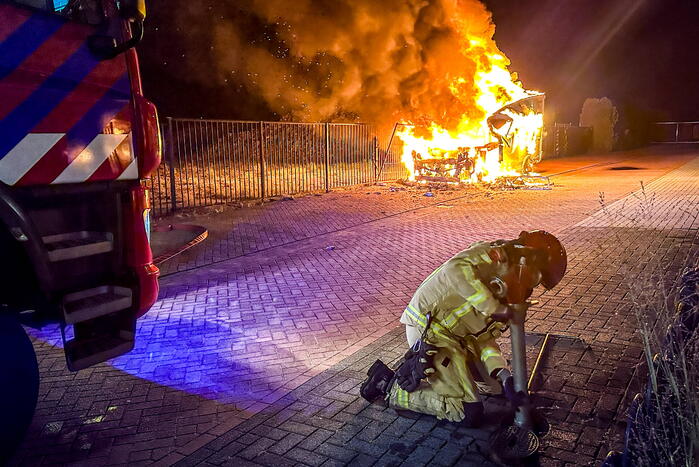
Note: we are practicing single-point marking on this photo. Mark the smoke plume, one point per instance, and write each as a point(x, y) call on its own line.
point(348, 60)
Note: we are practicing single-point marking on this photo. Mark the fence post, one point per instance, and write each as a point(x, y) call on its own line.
point(327, 157)
point(388, 151)
point(262, 161)
point(375, 158)
point(171, 164)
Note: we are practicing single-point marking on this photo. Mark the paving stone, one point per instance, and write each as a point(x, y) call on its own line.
point(226, 453)
point(422, 456)
point(335, 452)
point(432, 442)
point(316, 439)
point(299, 428)
point(286, 443)
point(333, 463)
point(362, 460)
point(256, 448)
point(365, 447)
point(306, 457)
point(371, 431)
point(388, 460)
point(240, 462)
point(195, 458)
point(447, 455)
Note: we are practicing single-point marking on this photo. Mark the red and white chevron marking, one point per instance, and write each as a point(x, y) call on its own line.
point(107, 157)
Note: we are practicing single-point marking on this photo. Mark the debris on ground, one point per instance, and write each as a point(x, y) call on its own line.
point(527, 182)
point(394, 190)
point(330, 248)
point(280, 198)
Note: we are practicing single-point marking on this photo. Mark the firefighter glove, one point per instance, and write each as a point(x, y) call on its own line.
point(418, 364)
point(502, 314)
point(516, 398)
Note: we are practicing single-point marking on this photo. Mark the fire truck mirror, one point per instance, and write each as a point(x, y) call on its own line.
point(105, 46)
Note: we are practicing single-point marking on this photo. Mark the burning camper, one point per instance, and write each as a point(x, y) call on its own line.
point(506, 144)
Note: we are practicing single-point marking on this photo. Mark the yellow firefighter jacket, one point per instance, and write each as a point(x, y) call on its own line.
point(460, 306)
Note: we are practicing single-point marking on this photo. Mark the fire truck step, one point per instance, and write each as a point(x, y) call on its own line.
point(92, 303)
point(84, 353)
point(77, 244)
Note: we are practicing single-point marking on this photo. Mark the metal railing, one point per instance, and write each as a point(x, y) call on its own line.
point(565, 139)
point(210, 162)
point(675, 132)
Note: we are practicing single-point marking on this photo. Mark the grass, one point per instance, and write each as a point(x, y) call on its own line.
point(663, 420)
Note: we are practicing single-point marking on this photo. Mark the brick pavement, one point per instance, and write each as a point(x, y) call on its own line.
point(238, 232)
point(228, 341)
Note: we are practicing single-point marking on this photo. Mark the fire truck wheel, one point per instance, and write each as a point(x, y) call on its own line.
point(19, 384)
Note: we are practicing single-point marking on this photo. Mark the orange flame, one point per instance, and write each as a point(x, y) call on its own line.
point(490, 154)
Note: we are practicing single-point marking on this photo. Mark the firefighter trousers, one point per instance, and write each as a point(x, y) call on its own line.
point(451, 386)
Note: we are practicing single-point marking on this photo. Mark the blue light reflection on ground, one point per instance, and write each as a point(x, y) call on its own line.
point(198, 349)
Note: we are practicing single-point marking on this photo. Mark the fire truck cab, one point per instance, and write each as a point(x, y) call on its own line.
point(77, 139)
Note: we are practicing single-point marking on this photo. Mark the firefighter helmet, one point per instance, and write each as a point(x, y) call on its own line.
point(551, 255)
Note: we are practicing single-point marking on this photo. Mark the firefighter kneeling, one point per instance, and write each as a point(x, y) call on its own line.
point(452, 323)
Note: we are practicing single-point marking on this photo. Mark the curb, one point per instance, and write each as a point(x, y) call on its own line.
point(200, 237)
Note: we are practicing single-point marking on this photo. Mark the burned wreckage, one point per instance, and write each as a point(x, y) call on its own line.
point(509, 160)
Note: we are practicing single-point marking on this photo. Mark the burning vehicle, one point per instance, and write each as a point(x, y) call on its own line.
point(510, 148)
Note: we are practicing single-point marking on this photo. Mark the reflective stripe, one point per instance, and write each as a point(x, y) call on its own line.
point(468, 274)
point(451, 320)
point(441, 331)
point(477, 298)
point(402, 398)
point(480, 287)
point(437, 328)
point(419, 317)
point(416, 315)
point(482, 292)
point(490, 352)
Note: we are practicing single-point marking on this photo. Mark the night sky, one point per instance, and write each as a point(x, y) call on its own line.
point(643, 54)
point(650, 64)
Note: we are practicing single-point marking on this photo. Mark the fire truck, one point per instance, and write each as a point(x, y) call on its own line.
point(77, 140)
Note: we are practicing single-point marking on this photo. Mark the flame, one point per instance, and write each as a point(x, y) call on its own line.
point(490, 154)
point(527, 131)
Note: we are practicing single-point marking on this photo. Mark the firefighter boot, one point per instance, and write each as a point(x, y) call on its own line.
point(378, 381)
point(473, 414)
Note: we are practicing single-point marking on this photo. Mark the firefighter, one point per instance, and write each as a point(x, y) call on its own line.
point(452, 323)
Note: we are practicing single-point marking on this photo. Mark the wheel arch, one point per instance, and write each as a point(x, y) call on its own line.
point(26, 262)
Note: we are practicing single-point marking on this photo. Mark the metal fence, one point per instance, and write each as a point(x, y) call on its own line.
point(675, 132)
point(564, 139)
point(209, 162)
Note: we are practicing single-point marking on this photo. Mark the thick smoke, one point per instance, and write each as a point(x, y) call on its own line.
point(348, 60)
